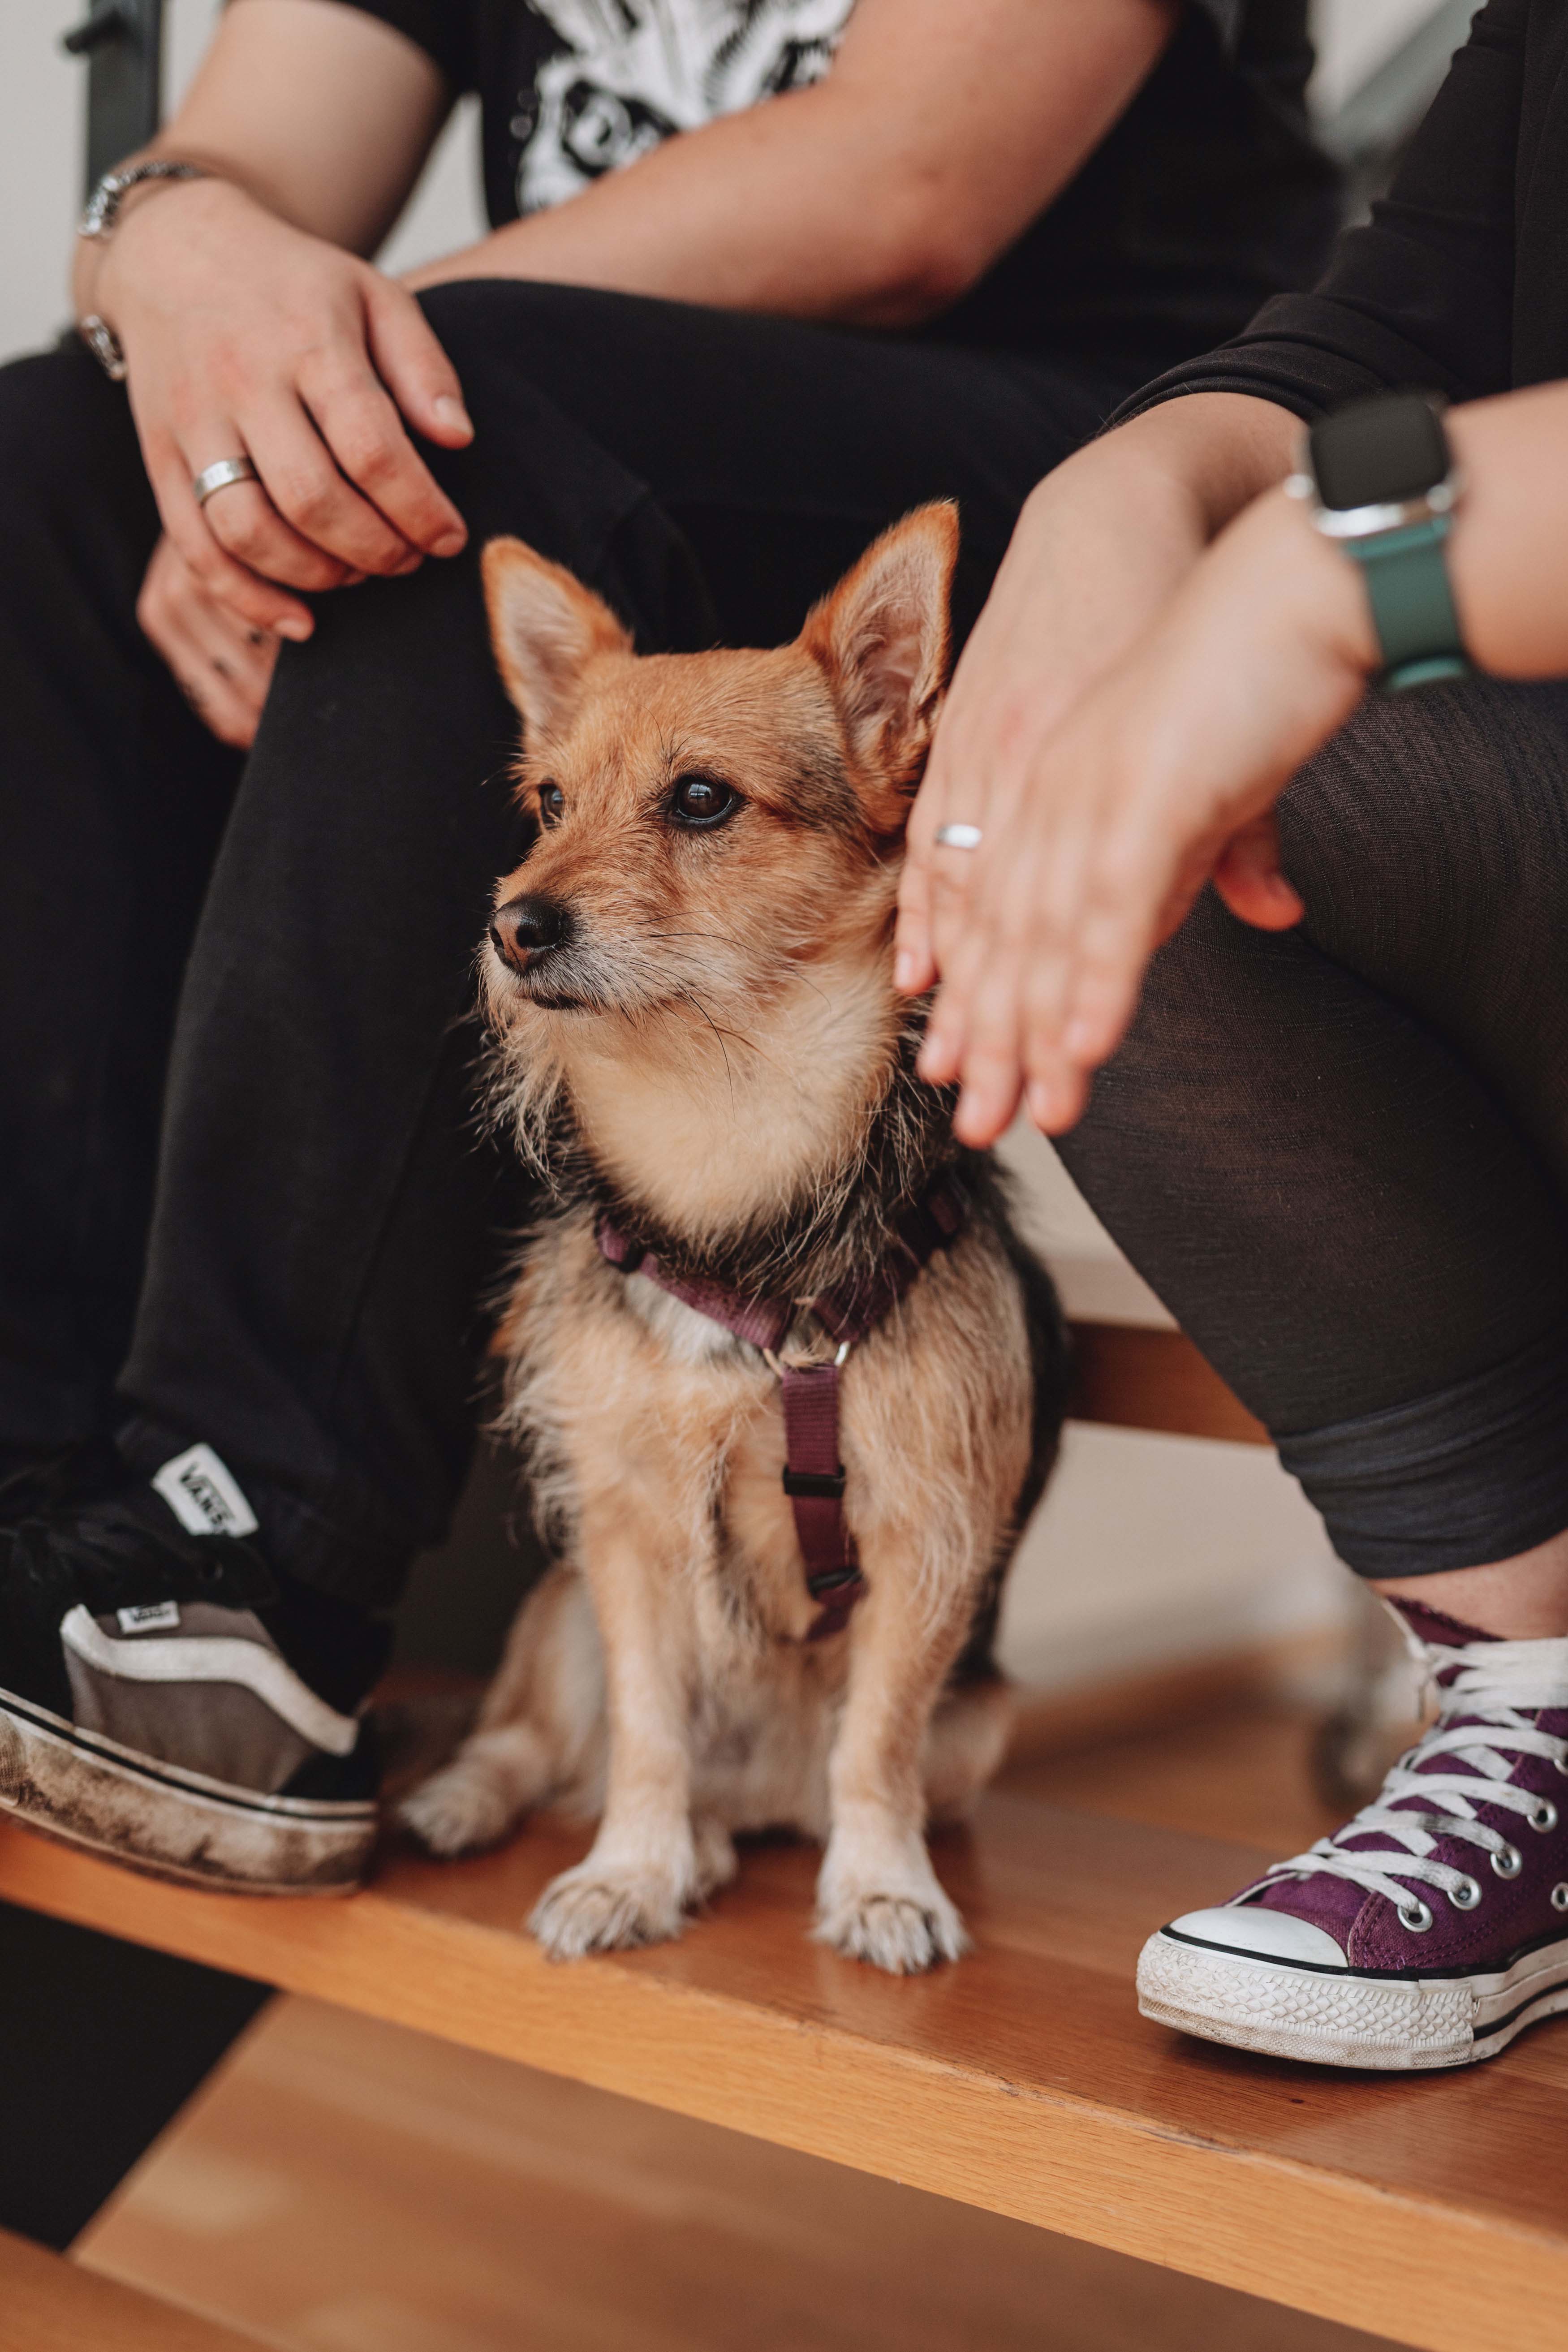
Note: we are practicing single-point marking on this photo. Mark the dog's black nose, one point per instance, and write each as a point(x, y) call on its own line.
point(527, 927)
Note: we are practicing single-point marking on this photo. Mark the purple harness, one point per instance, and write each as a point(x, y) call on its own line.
point(813, 1473)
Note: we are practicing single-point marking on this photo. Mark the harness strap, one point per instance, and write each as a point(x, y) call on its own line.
point(813, 1481)
point(813, 1473)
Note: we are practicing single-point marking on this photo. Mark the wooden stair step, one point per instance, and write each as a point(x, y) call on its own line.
point(50, 2304)
point(1429, 2210)
point(1133, 1377)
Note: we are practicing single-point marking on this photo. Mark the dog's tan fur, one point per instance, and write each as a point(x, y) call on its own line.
point(717, 1053)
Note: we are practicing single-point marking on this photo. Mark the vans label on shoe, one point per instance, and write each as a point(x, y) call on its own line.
point(203, 1495)
point(151, 1617)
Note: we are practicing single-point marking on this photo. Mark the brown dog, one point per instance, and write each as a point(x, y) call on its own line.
point(698, 1043)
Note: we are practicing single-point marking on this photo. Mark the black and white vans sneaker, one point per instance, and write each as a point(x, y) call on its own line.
point(168, 1701)
point(1433, 1927)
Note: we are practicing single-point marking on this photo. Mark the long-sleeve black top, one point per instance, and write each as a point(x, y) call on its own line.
point(1460, 282)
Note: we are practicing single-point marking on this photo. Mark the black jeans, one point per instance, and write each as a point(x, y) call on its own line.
point(243, 1197)
point(1340, 1154)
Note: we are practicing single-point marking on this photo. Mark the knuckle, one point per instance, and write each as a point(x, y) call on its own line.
point(308, 495)
point(370, 455)
point(243, 530)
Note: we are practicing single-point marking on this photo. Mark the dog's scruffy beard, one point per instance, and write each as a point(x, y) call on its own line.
point(833, 1220)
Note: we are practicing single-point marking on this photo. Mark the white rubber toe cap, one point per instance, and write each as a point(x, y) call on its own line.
point(1271, 1935)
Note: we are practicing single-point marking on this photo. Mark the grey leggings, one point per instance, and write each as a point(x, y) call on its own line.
point(1340, 1154)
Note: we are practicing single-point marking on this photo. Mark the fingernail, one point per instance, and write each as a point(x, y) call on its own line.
point(451, 542)
point(903, 969)
point(1040, 1102)
point(351, 579)
point(297, 628)
point(449, 410)
point(410, 562)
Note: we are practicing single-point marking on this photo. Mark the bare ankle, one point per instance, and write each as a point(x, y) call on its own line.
point(1521, 1599)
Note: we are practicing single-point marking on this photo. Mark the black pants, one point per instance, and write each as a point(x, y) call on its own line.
point(1340, 1154)
point(265, 1218)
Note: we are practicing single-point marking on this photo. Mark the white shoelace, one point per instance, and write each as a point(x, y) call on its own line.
point(1500, 1686)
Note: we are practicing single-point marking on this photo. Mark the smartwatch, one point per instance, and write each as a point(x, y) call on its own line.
point(1379, 480)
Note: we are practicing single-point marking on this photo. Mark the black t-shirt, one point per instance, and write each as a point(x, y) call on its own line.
point(1204, 198)
point(1458, 284)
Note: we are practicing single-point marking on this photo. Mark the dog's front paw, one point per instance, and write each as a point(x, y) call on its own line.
point(895, 1932)
point(886, 1906)
point(597, 1908)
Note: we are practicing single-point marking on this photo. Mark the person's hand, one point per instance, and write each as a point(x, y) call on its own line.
point(1163, 777)
point(1100, 547)
point(221, 663)
point(246, 337)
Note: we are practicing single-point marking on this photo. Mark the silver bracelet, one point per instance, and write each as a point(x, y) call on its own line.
point(99, 222)
point(104, 344)
point(103, 204)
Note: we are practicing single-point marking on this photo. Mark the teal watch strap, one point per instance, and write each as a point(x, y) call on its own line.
point(1412, 604)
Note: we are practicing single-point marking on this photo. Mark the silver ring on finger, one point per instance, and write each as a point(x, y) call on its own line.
point(958, 837)
point(219, 476)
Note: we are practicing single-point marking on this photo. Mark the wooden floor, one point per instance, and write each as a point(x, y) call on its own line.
point(1428, 2210)
point(50, 2304)
point(348, 2185)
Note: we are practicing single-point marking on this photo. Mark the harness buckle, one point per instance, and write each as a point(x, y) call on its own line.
point(815, 1486)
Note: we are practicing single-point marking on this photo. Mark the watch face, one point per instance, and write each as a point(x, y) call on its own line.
point(1379, 452)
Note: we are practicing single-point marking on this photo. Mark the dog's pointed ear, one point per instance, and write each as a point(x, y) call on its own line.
point(545, 628)
point(881, 636)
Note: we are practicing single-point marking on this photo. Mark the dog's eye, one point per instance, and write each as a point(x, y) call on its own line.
point(552, 803)
point(698, 801)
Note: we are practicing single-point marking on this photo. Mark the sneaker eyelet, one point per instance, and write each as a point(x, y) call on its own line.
point(1560, 1764)
point(1417, 1916)
point(1545, 1817)
point(1465, 1895)
point(1508, 1862)
point(1560, 1896)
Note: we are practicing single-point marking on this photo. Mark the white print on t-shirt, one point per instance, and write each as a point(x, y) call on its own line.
point(635, 71)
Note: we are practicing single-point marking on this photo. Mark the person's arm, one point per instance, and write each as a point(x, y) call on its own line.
point(875, 196)
point(1165, 775)
point(1423, 295)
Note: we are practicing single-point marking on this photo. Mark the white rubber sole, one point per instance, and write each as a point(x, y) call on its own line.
point(1344, 2017)
point(88, 1792)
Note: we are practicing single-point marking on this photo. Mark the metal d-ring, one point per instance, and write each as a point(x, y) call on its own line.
point(778, 1367)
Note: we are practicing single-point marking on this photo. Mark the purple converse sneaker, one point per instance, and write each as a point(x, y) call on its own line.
point(1434, 1927)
